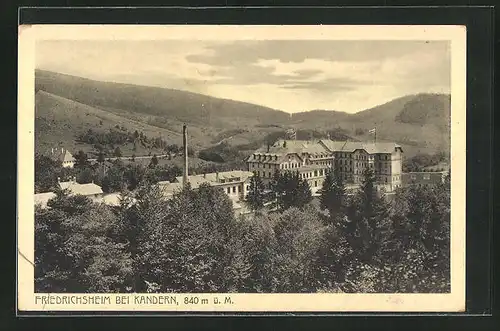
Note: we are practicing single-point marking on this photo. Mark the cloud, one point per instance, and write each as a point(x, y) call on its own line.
point(244, 52)
point(330, 85)
point(288, 75)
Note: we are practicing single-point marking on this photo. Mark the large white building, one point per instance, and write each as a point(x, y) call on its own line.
point(312, 159)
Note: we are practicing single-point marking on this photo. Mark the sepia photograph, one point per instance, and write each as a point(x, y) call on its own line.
point(168, 168)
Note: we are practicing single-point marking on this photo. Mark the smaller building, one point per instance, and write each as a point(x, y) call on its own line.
point(41, 199)
point(89, 190)
point(234, 183)
point(64, 156)
point(423, 179)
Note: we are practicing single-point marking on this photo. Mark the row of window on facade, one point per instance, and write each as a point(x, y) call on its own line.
point(229, 180)
point(236, 189)
point(360, 164)
point(364, 157)
point(266, 157)
point(426, 176)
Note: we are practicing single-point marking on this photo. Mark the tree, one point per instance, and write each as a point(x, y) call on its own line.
point(183, 245)
point(366, 219)
point(304, 194)
point(114, 181)
point(332, 194)
point(154, 161)
point(298, 238)
point(134, 174)
point(118, 152)
point(290, 190)
point(416, 254)
point(46, 173)
point(81, 159)
point(100, 260)
point(255, 196)
point(85, 175)
point(257, 244)
point(77, 248)
point(100, 157)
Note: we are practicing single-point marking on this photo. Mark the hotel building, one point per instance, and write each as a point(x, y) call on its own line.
point(312, 159)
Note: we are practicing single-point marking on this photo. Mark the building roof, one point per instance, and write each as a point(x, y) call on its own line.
point(68, 157)
point(316, 149)
point(62, 155)
point(82, 189)
point(169, 189)
point(42, 198)
point(293, 146)
point(219, 178)
point(351, 146)
point(111, 199)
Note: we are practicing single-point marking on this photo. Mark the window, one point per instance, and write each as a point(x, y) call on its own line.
point(234, 189)
point(315, 183)
point(228, 190)
point(269, 174)
point(315, 173)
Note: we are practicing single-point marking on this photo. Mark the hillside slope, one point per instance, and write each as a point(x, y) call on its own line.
point(420, 123)
point(176, 105)
point(68, 105)
point(59, 121)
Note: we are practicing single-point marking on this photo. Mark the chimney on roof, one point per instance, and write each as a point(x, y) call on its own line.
point(185, 170)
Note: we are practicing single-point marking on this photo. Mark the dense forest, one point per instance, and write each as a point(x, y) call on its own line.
point(194, 242)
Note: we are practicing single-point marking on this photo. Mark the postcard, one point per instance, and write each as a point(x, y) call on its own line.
point(234, 168)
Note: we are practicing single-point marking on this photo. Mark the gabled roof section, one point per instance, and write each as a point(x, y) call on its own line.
point(68, 157)
point(285, 147)
point(351, 146)
point(61, 154)
point(82, 189)
point(238, 176)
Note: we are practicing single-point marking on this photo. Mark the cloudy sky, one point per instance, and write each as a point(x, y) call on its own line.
point(290, 75)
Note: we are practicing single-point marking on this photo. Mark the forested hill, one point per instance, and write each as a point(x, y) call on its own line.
point(154, 101)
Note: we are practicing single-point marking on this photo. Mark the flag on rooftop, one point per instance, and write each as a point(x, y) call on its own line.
point(374, 130)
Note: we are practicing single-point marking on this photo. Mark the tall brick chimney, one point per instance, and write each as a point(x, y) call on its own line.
point(185, 145)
